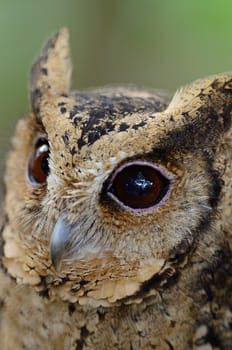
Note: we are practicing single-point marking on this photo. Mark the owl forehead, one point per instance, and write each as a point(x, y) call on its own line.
point(95, 114)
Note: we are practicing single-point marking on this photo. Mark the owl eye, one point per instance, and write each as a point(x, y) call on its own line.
point(138, 186)
point(38, 168)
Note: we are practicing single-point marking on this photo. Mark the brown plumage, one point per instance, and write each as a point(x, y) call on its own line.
point(117, 218)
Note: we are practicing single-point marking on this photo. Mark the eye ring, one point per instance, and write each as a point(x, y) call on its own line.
point(139, 186)
point(38, 163)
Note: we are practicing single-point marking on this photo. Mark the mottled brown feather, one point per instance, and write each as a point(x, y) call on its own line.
point(155, 279)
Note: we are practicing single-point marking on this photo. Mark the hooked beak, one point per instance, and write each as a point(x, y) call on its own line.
point(59, 241)
point(72, 240)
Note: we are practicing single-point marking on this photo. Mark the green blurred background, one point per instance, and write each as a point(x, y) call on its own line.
point(161, 44)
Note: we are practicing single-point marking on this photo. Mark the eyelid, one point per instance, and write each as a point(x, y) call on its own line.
point(159, 169)
point(140, 162)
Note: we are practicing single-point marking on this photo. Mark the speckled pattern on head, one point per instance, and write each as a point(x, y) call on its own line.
point(84, 268)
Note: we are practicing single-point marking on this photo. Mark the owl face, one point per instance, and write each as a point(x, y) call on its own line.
point(111, 189)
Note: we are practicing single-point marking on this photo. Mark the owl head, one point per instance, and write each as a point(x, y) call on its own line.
point(109, 192)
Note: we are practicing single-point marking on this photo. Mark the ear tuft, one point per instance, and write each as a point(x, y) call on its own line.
point(206, 102)
point(51, 73)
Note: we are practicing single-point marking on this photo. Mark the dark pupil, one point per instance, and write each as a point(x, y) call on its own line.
point(139, 186)
point(44, 164)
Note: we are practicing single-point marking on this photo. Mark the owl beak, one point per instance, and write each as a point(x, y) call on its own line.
point(59, 242)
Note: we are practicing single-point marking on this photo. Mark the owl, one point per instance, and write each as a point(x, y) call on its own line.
point(117, 218)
